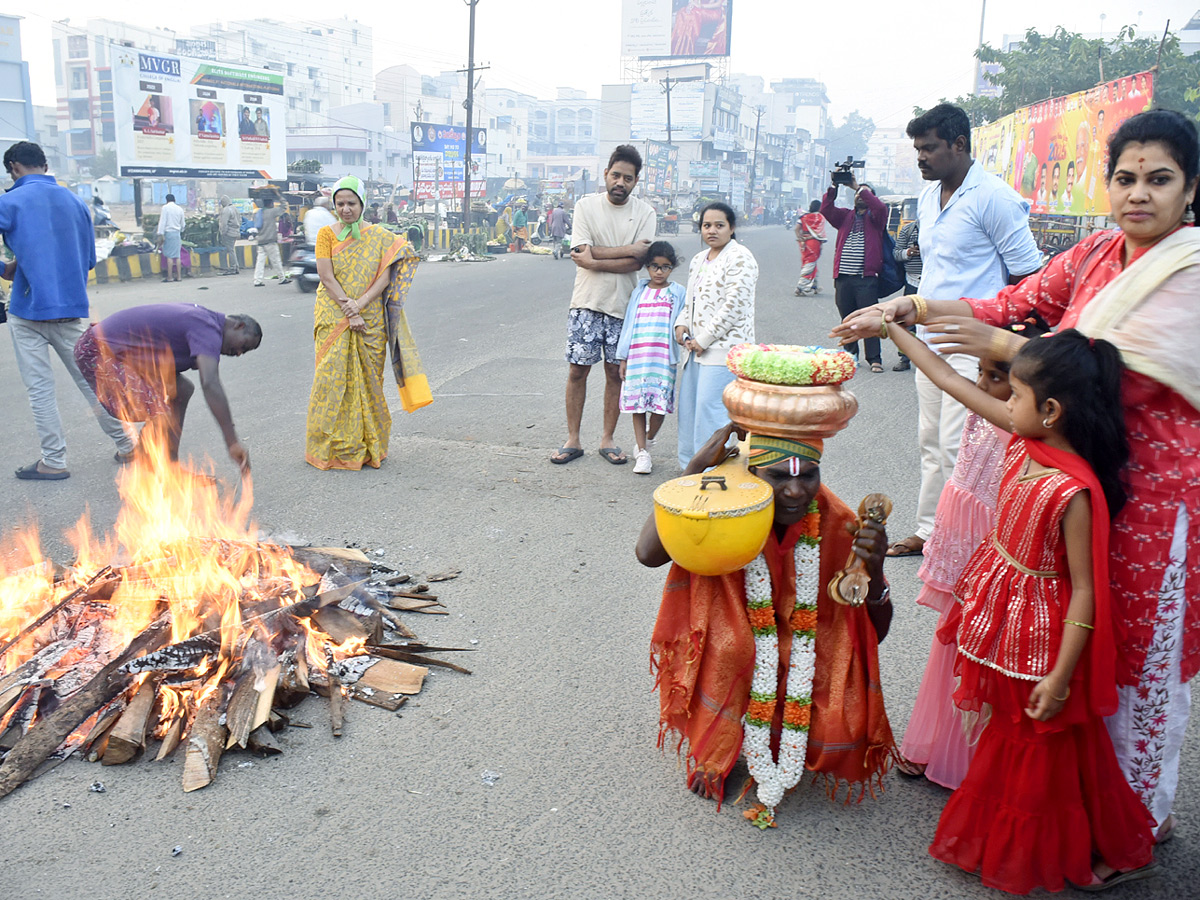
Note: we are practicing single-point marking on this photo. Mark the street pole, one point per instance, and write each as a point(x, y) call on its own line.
point(758, 114)
point(667, 83)
point(470, 118)
point(978, 59)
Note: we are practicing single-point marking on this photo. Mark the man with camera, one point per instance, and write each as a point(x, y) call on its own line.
point(858, 255)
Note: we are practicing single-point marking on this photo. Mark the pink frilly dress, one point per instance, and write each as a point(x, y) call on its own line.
point(966, 512)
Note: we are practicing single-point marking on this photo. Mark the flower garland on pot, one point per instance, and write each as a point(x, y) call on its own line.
point(773, 777)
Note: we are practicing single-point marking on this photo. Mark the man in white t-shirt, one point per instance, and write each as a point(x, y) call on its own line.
point(610, 235)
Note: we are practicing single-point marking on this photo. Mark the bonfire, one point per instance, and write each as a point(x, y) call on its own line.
point(183, 627)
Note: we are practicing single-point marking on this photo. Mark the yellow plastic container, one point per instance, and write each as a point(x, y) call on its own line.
point(715, 523)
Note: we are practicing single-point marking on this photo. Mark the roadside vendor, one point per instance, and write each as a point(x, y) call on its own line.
point(720, 697)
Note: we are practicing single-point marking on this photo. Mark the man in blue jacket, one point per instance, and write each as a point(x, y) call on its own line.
point(49, 231)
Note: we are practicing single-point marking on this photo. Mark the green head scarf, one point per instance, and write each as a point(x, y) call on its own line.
point(351, 183)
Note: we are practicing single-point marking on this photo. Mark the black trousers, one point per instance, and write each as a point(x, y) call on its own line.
point(851, 292)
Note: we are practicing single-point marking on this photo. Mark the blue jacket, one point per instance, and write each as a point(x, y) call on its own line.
point(50, 232)
point(678, 295)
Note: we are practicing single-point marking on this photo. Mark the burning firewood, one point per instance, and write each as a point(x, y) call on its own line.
point(195, 635)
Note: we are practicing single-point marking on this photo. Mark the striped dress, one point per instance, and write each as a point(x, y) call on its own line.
point(649, 385)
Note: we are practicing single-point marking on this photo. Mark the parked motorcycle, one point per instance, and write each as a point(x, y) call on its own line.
point(303, 269)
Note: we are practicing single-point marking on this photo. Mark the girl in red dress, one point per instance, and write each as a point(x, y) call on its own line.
point(1044, 801)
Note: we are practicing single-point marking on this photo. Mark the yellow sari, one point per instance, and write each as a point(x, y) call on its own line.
point(349, 422)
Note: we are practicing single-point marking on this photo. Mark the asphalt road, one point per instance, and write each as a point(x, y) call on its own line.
point(560, 702)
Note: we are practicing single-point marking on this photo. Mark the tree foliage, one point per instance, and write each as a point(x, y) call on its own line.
point(305, 167)
point(1045, 66)
point(104, 163)
point(850, 138)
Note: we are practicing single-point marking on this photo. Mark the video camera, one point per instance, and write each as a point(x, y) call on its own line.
point(842, 173)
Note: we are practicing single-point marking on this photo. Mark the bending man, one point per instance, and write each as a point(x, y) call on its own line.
point(135, 360)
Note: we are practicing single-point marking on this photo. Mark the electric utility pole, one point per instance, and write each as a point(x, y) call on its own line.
point(469, 104)
point(667, 84)
point(758, 114)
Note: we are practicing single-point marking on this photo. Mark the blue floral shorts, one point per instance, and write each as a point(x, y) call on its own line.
point(591, 336)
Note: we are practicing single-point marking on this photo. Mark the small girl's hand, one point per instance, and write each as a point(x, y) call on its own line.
point(623, 362)
point(963, 334)
point(1047, 698)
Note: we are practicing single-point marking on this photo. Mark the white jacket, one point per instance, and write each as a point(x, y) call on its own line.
point(719, 311)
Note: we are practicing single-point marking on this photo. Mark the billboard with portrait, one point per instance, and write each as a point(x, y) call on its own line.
point(663, 29)
point(660, 175)
point(1055, 153)
point(154, 92)
point(439, 161)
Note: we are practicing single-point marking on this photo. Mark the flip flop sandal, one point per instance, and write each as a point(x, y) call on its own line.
point(1167, 831)
point(906, 547)
point(572, 454)
point(909, 769)
point(1117, 878)
point(31, 472)
point(876, 368)
point(613, 455)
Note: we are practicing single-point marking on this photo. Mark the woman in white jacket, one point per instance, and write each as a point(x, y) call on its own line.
point(718, 314)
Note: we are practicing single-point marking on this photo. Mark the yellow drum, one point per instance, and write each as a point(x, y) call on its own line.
point(715, 523)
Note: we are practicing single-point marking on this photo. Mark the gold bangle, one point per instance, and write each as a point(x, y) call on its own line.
point(1079, 624)
point(1064, 698)
point(922, 308)
point(883, 329)
point(999, 345)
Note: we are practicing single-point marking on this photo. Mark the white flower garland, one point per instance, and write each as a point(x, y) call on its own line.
point(774, 778)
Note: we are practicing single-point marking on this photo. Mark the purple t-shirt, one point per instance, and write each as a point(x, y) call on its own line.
point(187, 329)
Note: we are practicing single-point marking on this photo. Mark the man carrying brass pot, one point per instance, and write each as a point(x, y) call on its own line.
point(762, 661)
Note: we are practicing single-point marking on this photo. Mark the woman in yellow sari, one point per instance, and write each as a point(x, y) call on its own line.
point(359, 297)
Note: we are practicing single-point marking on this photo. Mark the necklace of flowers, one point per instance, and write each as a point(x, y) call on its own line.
point(774, 778)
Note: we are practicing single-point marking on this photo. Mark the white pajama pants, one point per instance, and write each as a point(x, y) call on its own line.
point(939, 432)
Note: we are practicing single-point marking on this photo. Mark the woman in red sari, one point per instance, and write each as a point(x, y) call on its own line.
point(1135, 287)
point(810, 234)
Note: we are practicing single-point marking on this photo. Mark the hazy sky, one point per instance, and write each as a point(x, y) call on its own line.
point(871, 54)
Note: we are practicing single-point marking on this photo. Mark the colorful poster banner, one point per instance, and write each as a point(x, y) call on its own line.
point(1055, 153)
point(439, 161)
point(191, 118)
point(662, 29)
point(661, 173)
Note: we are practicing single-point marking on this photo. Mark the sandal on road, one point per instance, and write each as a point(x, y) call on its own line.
point(565, 455)
point(34, 472)
point(910, 546)
point(614, 455)
point(1098, 884)
point(910, 769)
point(1167, 831)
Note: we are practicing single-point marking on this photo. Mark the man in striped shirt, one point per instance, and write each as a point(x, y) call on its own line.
point(858, 257)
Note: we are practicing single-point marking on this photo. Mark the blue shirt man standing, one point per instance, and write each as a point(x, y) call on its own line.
point(49, 231)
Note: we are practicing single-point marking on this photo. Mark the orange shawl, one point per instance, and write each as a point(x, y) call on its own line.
point(703, 652)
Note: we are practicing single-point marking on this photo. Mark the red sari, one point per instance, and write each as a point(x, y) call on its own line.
point(811, 231)
point(1041, 799)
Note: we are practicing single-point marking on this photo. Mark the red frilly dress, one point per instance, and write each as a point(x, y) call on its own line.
point(1041, 799)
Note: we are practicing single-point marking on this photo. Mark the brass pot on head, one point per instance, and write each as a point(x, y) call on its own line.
point(817, 411)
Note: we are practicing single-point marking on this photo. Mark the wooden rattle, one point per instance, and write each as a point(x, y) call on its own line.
point(849, 586)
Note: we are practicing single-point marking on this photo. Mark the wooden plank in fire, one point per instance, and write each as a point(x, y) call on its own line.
point(127, 740)
point(205, 745)
point(353, 562)
point(180, 657)
point(387, 681)
point(49, 732)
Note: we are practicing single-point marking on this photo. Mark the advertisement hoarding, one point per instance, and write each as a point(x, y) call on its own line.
point(648, 112)
point(190, 118)
point(663, 29)
point(1055, 153)
point(705, 174)
point(660, 174)
point(439, 161)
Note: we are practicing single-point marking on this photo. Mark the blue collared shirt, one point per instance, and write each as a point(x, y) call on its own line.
point(50, 232)
point(970, 247)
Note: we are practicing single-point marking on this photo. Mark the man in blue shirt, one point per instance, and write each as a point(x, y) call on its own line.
point(975, 239)
point(49, 231)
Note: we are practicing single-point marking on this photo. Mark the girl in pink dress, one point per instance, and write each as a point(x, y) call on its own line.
point(1044, 801)
point(935, 744)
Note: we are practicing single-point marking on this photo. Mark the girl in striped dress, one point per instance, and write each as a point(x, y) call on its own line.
point(647, 352)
